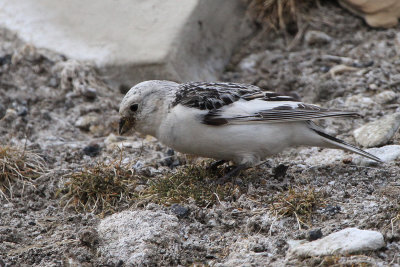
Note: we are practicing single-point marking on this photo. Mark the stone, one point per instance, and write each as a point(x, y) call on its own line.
point(378, 132)
point(386, 154)
point(316, 37)
point(134, 40)
point(11, 115)
point(92, 150)
point(180, 211)
point(137, 237)
point(86, 121)
point(386, 97)
point(373, 87)
point(112, 138)
point(90, 93)
point(314, 234)
point(382, 13)
point(346, 241)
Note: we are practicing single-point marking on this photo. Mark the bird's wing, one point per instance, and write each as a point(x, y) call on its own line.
point(233, 103)
point(212, 95)
point(261, 111)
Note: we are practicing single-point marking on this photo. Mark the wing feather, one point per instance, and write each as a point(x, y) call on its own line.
point(255, 112)
point(235, 103)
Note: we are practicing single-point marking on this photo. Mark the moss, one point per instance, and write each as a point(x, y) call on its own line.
point(106, 188)
point(101, 188)
point(297, 203)
point(190, 183)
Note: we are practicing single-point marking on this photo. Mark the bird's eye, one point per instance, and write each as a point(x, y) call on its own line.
point(134, 107)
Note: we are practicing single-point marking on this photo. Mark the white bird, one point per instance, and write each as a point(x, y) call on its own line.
point(226, 121)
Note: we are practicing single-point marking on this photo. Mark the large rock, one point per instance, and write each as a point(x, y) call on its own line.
point(386, 154)
point(382, 13)
point(139, 238)
point(378, 132)
point(346, 241)
point(134, 40)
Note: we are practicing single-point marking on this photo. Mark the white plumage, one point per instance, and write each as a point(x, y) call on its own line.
point(226, 121)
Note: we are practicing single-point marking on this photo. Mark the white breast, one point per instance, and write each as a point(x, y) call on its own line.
point(183, 131)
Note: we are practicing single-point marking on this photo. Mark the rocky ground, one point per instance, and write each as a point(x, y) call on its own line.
point(65, 173)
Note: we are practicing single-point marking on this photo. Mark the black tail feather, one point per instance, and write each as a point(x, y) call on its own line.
point(346, 146)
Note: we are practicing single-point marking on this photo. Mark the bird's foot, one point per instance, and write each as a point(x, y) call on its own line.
point(213, 166)
point(231, 174)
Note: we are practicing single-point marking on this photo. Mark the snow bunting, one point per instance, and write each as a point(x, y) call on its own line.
point(226, 121)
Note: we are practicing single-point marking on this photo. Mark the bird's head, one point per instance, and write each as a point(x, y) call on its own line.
point(143, 106)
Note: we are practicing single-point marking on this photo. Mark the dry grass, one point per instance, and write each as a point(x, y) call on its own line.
point(278, 13)
point(191, 183)
point(102, 188)
point(18, 166)
point(297, 203)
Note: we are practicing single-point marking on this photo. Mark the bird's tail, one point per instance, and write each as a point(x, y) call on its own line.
point(337, 143)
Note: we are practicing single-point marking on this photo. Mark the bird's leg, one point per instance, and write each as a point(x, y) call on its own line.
point(233, 173)
point(213, 166)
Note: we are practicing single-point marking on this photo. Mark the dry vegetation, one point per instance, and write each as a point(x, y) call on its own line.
point(106, 188)
point(18, 166)
point(102, 188)
point(298, 203)
point(278, 14)
point(192, 182)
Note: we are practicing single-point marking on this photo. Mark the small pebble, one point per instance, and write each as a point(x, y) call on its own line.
point(314, 234)
point(89, 93)
point(6, 59)
point(22, 112)
point(85, 122)
point(330, 210)
point(317, 37)
point(373, 86)
point(92, 150)
point(138, 165)
point(180, 211)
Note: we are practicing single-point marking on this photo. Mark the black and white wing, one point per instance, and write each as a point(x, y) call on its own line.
point(212, 95)
point(233, 103)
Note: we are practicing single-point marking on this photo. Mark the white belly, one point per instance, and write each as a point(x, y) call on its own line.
point(241, 143)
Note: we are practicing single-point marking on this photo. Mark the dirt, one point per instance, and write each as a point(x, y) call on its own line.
point(63, 111)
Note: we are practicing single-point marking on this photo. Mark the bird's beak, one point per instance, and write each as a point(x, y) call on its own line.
point(125, 125)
